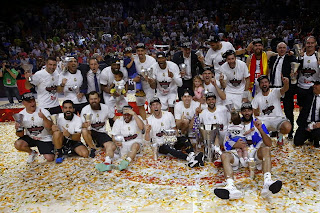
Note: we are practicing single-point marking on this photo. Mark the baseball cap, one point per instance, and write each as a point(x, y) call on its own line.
point(186, 92)
point(27, 96)
point(140, 45)
point(154, 99)
point(210, 94)
point(127, 49)
point(227, 53)
point(262, 77)
point(186, 44)
point(246, 105)
point(160, 54)
point(214, 38)
point(257, 41)
point(114, 60)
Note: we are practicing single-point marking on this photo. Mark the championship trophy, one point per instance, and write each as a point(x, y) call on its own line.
point(65, 60)
point(294, 68)
point(19, 119)
point(88, 118)
point(28, 69)
point(76, 89)
point(54, 119)
point(120, 138)
point(147, 73)
point(183, 68)
point(155, 149)
point(298, 50)
point(252, 167)
point(230, 107)
point(199, 53)
point(209, 133)
point(170, 137)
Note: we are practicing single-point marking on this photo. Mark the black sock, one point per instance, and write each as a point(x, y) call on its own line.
point(60, 154)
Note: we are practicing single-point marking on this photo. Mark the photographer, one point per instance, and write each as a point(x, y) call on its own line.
point(9, 75)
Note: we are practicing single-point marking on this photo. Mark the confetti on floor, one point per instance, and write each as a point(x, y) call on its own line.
point(166, 185)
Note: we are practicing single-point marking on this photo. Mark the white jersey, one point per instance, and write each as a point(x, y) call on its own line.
point(165, 84)
point(215, 57)
point(235, 78)
point(220, 116)
point(120, 83)
point(236, 130)
point(269, 106)
point(147, 64)
point(72, 87)
point(180, 109)
point(211, 88)
point(73, 126)
point(99, 117)
point(33, 125)
point(310, 71)
point(128, 130)
point(90, 79)
point(158, 125)
point(46, 88)
point(107, 78)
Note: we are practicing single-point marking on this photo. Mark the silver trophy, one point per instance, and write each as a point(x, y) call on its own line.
point(183, 69)
point(120, 138)
point(28, 69)
point(170, 137)
point(318, 57)
point(230, 107)
point(88, 118)
point(294, 68)
point(54, 119)
point(119, 89)
point(155, 149)
point(252, 167)
point(209, 134)
point(19, 119)
point(298, 50)
point(147, 73)
point(76, 89)
point(199, 53)
point(65, 60)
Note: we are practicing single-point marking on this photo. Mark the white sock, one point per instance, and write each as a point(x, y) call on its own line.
point(230, 181)
point(107, 160)
point(267, 176)
point(129, 159)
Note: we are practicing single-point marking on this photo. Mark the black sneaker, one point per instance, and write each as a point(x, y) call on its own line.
point(92, 153)
point(200, 158)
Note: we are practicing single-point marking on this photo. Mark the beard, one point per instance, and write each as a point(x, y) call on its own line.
point(265, 89)
point(247, 120)
point(95, 106)
point(68, 116)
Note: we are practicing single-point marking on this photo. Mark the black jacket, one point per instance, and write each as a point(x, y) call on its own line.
point(286, 66)
point(196, 67)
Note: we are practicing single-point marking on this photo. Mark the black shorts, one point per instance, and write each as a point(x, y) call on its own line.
point(43, 147)
point(54, 110)
point(100, 138)
point(69, 146)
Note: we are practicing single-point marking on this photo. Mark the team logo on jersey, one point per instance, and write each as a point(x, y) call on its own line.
point(129, 128)
point(308, 72)
point(52, 78)
point(214, 117)
point(75, 79)
point(35, 130)
point(52, 89)
point(32, 118)
point(187, 113)
point(162, 124)
point(268, 110)
point(164, 84)
point(97, 115)
point(235, 82)
point(98, 125)
point(67, 125)
point(164, 75)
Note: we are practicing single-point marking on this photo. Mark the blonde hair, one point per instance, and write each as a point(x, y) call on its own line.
point(197, 77)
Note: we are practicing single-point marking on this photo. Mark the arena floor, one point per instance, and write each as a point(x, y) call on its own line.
point(166, 185)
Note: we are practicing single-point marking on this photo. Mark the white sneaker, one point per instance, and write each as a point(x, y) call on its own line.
point(217, 149)
point(230, 191)
point(192, 162)
point(271, 187)
point(32, 156)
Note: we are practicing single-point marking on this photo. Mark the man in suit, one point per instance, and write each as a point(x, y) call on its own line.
point(193, 67)
point(309, 119)
point(280, 67)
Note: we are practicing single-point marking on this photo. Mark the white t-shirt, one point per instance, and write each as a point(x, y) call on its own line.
point(235, 78)
point(33, 125)
point(69, 90)
point(306, 77)
point(107, 78)
point(180, 109)
point(220, 116)
point(211, 88)
point(126, 129)
point(119, 83)
point(99, 117)
point(158, 125)
point(215, 57)
point(165, 84)
point(73, 126)
point(46, 88)
point(269, 106)
point(147, 64)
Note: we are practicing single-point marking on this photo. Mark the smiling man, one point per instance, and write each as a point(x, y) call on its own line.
point(67, 133)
